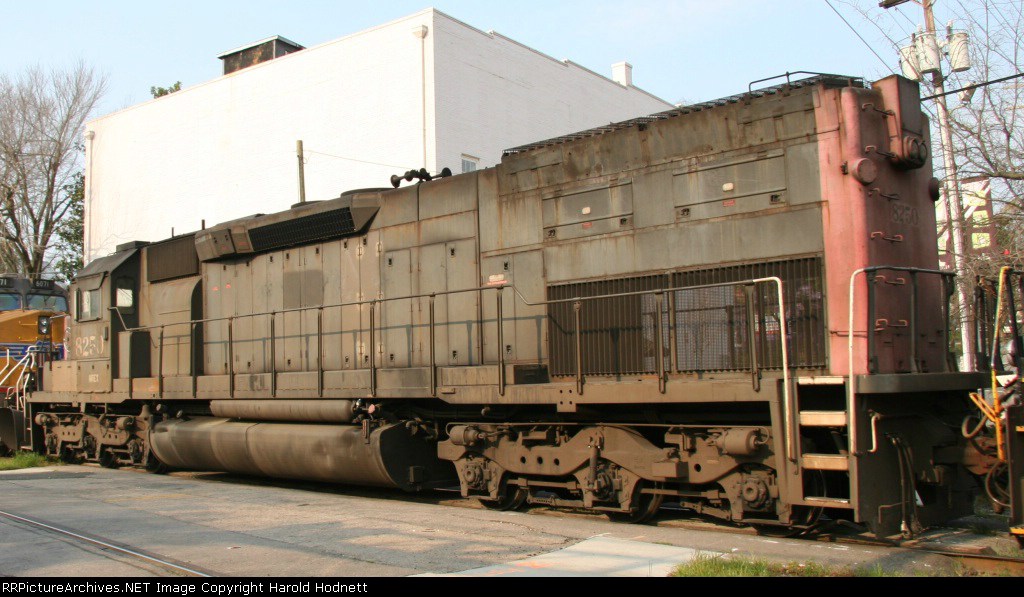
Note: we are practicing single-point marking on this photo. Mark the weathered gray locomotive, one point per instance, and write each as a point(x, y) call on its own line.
point(734, 306)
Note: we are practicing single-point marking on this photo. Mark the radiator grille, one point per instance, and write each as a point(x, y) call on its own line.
point(306, 229)
point(615, 333)
point(712, 330)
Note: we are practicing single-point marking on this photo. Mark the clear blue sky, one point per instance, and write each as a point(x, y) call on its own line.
point(684, 49)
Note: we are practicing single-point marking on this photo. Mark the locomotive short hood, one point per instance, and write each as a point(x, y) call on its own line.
point(307, 223)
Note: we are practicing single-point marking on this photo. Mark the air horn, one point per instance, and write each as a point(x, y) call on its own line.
point(420, 174)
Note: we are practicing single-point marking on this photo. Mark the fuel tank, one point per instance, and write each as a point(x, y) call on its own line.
point(388, 456)
point(12, 430)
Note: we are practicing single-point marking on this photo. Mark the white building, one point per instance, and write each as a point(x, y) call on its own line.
point(424, 91)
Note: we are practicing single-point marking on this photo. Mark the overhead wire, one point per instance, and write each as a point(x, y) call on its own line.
point(899, 25)
point(974, 86)
point(330, 155)
point(913, 25)
point(859, 36)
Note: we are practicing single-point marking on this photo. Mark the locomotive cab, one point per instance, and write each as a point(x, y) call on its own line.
point(103, 299)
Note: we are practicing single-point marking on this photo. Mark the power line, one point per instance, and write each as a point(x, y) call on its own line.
point(913, 25)
point(857, 33)
point(897, 24)
point(357, 160)
point(975, 86)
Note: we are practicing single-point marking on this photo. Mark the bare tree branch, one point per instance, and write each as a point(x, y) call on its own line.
point(42, 114)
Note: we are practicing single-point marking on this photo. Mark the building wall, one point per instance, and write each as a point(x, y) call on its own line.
point(226, 148)
point(494, 93)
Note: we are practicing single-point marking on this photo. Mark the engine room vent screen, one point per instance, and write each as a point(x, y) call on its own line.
point(175, 258)
point(299, 231)
point(712, 331)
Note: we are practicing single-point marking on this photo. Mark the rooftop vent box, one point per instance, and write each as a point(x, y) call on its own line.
point(257, 52)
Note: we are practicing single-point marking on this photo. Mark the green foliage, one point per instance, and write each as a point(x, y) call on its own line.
point(720, 565)
point(25, 460)
point(162, 91)
point(71, 231)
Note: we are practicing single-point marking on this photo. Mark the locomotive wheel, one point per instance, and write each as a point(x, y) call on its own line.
point(513, 499)
point(108, 459)
point(69, 456)
point(777, 531)
point(153, 465)
point(802, 517)
point(643, 506)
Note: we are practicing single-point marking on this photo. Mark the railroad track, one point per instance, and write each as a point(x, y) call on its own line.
point(107, 545)
point(978, 562)
point(983, 563)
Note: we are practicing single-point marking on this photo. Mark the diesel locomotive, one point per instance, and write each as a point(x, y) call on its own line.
point(734, 306)
point(32, 311)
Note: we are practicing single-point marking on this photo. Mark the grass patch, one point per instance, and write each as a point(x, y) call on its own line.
point(1009, 550)
point(719, 566)
point(25, 460)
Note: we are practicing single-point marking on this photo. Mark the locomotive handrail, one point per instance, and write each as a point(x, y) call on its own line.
point(787, 396)
point(789, 81)
point(20, 387)
point(20, 365)
point(502, 381)
point(273, 352)
point(851, 385)
point(1005, 284)
point(301, 309)
point(7, 361)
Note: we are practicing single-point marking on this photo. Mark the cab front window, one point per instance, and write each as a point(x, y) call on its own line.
point(9, 301)
point(47, 302)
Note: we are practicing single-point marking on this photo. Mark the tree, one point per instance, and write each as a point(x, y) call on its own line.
point(989, 127)
point(71, 232)
point(42, 114)
point(162, 91)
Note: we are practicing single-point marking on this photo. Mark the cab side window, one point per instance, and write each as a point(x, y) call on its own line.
point(125, 295)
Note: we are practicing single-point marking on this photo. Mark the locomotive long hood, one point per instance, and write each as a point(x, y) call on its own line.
point(319, 221)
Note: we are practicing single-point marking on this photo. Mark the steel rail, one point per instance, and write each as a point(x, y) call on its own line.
point(106, 545)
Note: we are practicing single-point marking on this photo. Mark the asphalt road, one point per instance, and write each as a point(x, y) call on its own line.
point(234, 526)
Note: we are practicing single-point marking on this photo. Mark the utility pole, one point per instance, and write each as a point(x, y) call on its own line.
point(954, 206)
